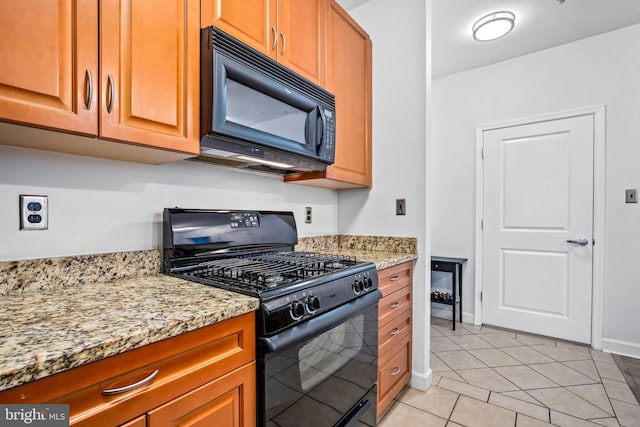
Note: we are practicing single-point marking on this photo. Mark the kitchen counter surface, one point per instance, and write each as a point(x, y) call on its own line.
point(60, 313)
point(52, 330)
point(384, 251)
point(380, 258)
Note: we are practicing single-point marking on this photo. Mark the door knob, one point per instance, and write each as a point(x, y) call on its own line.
point(580, 242)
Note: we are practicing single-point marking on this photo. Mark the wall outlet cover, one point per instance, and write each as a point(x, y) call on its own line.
point(401, 207)
point(631, 196)
point(34, 212)
point(307, 215)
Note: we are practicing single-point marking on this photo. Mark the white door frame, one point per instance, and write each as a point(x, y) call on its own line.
point(599, 140)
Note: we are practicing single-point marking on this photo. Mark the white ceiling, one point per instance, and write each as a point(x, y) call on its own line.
point(540, 24)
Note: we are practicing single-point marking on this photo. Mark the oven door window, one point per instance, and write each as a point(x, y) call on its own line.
point(321, 358)
point(316, 382)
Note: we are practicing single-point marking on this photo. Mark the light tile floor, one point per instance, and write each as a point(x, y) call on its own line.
point(485, 376)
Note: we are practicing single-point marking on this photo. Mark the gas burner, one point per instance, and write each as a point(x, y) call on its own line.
point(257, 273)
point(273, 281)
point(335, 264)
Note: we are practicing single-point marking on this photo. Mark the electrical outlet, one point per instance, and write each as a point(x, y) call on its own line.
point(307, 217)
point(401, 207)
point(631, 196)
point(34, 213)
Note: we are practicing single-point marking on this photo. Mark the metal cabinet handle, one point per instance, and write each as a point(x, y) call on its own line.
point(394, 305)
point(394, 278)
point(396, 331)
point(275, 38)
point(89, 84)
point(111, 87)
point(580, 242)
point(140, 383)
point(395, 372)
point(284, 43)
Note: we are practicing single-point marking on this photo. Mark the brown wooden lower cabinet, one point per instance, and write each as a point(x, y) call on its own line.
point(222, 403)
point(394, 333)
point(206, 374)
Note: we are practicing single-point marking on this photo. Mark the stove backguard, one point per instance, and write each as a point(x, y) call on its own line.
point(191, 236)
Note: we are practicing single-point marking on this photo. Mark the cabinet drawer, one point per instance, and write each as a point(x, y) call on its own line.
point(224, 402)
point(394, 278)
point(183, 363)
point(447, 267)
point(393, 305)
point(393, 374)
point(393, 332)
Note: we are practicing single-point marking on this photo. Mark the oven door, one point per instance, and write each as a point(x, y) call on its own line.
point(322, 372)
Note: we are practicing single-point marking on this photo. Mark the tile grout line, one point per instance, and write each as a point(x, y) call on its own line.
point(606, 392)
point(453, 409)
point(560, 385)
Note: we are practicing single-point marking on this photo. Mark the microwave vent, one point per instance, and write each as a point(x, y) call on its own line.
point(234, 48)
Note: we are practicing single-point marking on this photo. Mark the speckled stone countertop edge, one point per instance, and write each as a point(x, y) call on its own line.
point(91, 322)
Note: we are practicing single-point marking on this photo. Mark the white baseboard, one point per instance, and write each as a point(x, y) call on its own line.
point(421, 381)
point(444, 312)
point(623, 348)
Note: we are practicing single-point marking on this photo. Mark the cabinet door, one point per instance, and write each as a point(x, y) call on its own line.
point(226, 402)
point(49, 54)
point(300, 37)
point(250, 21)
point(150, 72)
point(349, 79)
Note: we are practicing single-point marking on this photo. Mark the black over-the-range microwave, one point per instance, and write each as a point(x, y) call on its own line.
point(258, 114)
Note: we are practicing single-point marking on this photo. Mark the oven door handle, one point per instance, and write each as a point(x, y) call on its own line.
point(319, 324)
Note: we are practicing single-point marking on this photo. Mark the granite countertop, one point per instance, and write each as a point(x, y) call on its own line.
point(52, 330)
point(381, 259)
point(60, 313)
point(383, 251)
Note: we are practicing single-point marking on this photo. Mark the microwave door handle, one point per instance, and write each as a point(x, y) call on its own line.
point(324, 128)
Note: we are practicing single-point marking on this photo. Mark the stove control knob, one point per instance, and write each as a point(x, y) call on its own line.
point(368, 283)
point(358, 287)
point(297, 310)
point(313, 304)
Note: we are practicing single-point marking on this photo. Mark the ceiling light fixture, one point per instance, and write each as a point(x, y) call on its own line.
point(493, 26)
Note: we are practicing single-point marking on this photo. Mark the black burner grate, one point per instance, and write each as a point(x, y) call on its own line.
point(257, 273)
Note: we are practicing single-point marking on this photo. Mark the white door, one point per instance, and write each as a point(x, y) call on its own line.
point(538, 227)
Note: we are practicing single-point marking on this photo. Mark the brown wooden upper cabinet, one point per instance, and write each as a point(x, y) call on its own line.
point(289, 31)
point(117, 69)
point(349, 79)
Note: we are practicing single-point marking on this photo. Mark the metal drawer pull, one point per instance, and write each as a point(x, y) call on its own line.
point(394, 278)
point(394, 305)
point(396, 331)
point(395, 372)
point(111, 93)
point(89, 80)
point(126, 388)
point(580, 242)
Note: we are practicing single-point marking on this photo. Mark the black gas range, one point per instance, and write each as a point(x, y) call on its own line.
point(317, 315)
